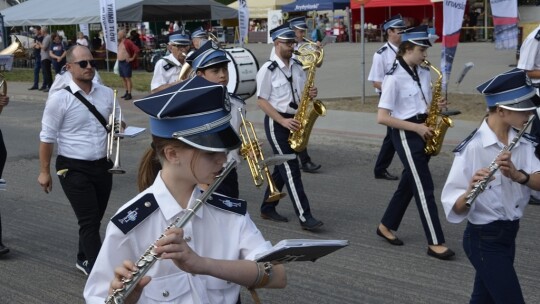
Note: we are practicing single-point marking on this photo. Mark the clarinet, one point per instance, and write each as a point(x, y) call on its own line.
point(480, 186)
point(149, 257)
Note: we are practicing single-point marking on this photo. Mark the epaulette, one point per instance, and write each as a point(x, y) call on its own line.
point(273, 66)
point(531, 138)
point(537, 36)
point(229, 204)
point(298, 61)
point(236, 97)
point(392, 69)
point(465, 142)
point(381, 50)
point(169, 64)
point(135, 213)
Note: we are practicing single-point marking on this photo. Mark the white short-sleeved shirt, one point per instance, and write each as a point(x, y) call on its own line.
point(383, 60)
point(165, 72)
point(529, 54)
point(502, 199)
point(211, 232)
point(69, 123)
point(274, 86)
point(402, 95)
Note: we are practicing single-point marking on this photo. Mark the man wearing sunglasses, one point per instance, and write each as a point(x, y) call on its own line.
point(81, 136)
point(279, 87)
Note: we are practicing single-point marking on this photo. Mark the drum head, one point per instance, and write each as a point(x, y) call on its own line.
point(242, 72)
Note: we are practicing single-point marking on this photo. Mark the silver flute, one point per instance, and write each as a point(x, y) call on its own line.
point(480, 186)
point(149, 257)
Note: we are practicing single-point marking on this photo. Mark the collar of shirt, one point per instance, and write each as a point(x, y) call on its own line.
point(173, 59)
point(168, 205)
point(490, 138)
point(75, 88)
point(392, 47)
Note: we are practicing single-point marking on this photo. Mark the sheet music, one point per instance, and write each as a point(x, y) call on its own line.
point(131, 132)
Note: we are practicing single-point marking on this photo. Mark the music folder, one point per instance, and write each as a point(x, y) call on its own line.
point(130, 131)
point(295, 250)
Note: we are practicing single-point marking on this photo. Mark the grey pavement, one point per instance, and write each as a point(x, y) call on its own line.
point(41, 230)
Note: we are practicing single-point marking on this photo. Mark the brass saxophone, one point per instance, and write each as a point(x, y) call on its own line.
point(437, 121)
point(309, 110)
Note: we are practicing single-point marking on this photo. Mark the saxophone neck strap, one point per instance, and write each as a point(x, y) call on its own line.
point(290, 80)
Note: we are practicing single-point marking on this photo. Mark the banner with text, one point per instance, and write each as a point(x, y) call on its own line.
point(243, 20)
point(505, 21)
point(108, 23)
point(453, 18)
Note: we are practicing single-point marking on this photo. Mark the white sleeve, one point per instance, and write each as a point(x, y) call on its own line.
point(264, 82)
point(158, 79)
point(528, 53)
point(456, 184)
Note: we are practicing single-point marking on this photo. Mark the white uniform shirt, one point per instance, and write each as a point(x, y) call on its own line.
point(383, 60)
point(274, 86)
point(402, 95)
point(529, 54)
point(502, 199)
point(212, 233)
point(236, 120)
point(69, 123)
point(162, 76)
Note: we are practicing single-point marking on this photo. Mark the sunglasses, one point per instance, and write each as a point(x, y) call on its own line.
point(84, 63)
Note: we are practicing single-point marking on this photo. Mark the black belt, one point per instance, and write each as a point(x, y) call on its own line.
point(417, 118)
point(286, 115)
point(86, 162)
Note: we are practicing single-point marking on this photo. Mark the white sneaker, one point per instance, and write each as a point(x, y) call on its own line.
point(2, 184)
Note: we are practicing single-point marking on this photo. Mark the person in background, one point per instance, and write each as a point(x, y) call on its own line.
point(38, 38)
point(209, 258)
point(127, 61)
point(81, 162)
point(136, 39)
point(81, 40)
point(198, 37)
point(4, 100)
point(278, 85)
point(45, 46)
point(57, 53)
point(167, 69)
point(529, 61)
point(383, 60)
point(493, 218)
point(403, 106)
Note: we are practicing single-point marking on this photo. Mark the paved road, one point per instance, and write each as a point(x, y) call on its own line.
point(41, 229)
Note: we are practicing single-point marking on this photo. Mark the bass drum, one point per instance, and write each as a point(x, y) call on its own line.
point(242, 72)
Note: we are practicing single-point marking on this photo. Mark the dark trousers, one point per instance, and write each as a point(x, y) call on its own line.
point(304, 157)
point(386, 154)
point(47, 73)
point(287, 173)
point(415, 182)
point(58, 65)
point(229, 186)
point(3, 154)
point(491, 248)
point(37, 68)
point(87, 185)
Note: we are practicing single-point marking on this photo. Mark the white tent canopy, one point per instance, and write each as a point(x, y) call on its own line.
point(260, 8)
point(61, 12)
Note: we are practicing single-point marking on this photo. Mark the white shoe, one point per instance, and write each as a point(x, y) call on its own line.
point(2, 184)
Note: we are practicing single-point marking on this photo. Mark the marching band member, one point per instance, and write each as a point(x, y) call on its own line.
point(168, 68)
point(299, 26)
point(81, 163)
point(211, 63)
point(279, 85)
point(212, 255)
point(403, 105)
point(383, 60)
point(489, 239)
point(198, 37)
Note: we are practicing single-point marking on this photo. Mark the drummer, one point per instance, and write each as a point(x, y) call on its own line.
point(168, 68)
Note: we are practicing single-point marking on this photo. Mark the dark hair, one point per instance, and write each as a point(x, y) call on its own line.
point(404, 46)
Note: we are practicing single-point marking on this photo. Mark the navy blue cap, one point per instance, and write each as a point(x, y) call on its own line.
point(207, 55)
point(195, 111)
point(418, 35)
point(179, 39)
point(283, 31)
point(509, 90)
point(199, 32)
point(298, 23)
point(394, 22)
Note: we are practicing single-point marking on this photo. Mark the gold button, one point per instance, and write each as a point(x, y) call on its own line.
point(165, 293)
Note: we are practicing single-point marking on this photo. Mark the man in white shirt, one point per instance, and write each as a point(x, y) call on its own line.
point(81, 164)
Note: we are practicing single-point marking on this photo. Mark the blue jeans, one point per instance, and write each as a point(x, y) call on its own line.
point(37, 68)
point(491, 248)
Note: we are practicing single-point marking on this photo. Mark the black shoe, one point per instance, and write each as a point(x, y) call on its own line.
point(128, 96)
point(42, 88)
point(274, 216)
point(310, 167)
point(386, 175)
point(446, 255)
point(124, 96)
point(311, 224)
point(83, 266)
point(32, 88)
point(534, 201)
point(395, 241)
point(3, 249)
point(46, 91)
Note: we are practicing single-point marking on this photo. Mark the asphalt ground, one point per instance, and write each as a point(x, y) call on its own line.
point(41, 229)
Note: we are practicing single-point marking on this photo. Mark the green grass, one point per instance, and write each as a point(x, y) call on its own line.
point(141, 79)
